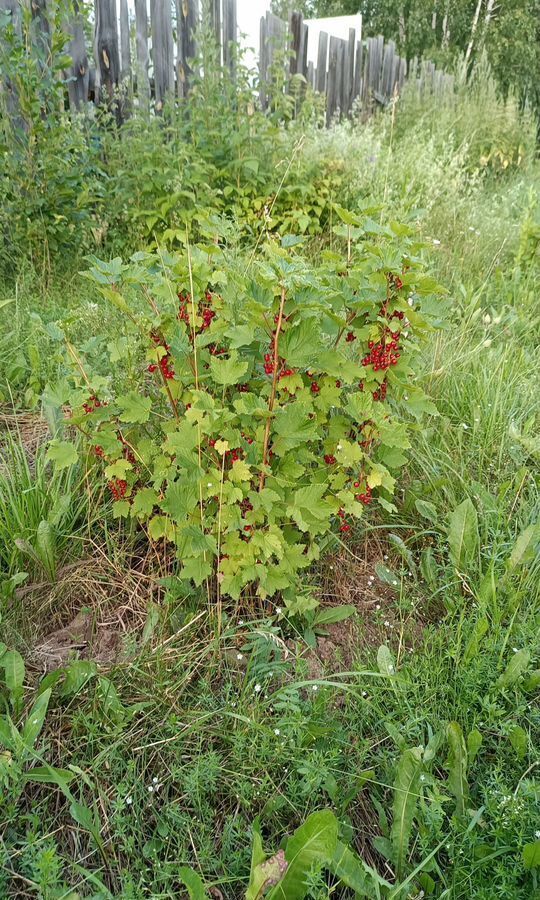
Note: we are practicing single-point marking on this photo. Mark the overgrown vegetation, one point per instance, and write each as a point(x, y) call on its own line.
point(240, 696)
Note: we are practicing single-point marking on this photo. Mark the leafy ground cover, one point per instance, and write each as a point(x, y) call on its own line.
point(373, 732)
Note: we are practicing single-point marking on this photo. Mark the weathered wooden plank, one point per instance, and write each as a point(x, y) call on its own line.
point(358, 65)
point(187, 19)
point(296, 22)
point(311, 74)
point(229, 34)
point(141, 71)
point(162, 51)
point(349, 74)
point(107, 54)
point(322, 62)
point(41, 30)
point(402, 73)
point(125, 51)
point(340, 76)
point(332, 83)
point(387, 70)
point(303, 51)
point(215, 21)
point(263, 62)
point(79, 73)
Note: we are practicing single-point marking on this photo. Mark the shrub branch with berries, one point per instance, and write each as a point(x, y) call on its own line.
point(262, 408)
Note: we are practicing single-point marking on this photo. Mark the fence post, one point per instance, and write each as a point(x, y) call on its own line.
point(332, 83)
point(229, 35)
point(187, 17)
point(79, 72)
point(143, 83)
point(162, 51)
point(322, 56)
point(107, 56)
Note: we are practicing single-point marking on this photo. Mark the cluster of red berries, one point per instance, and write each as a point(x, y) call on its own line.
point(383, 355)
point(99, 451)
point(380, 394)
point(118, 488)
point(344, 524)
point(246, 506)
point(164, 366)
point(365, 496)
point(314, 387)
point(206, 313)
point(268, 363)
point(329, 459)
point(92, 403)
point(350, 337)
point(396, 281)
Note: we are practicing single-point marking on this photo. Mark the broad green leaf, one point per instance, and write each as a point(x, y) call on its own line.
point(385, 660)
point(386, 575)
point(334, 614)
point(519, 740)
point(78, 674)
point(62, 454)
point(36, 718)
point(474, 742)
point(523, 549)
point(228, 371)
point(301, 344)
point(456, 764)
point(193, 882)
point(355, 874)
point(266, 874)
point(143, 502)
point(514, 670)
point(309, 510)
point(13, 665)
point(406, 788)
point(463, 537)
point(180, 500)
point(531, 855)
point(312, 846)
point(136, 408)
point(293, 427)
point(49, 775)
point(427, 510)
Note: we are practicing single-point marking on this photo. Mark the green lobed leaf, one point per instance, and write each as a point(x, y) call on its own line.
point(312, 846)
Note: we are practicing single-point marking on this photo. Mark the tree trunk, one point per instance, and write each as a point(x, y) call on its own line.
point(473, 31)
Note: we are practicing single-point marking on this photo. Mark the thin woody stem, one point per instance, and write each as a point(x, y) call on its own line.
point(272, 399)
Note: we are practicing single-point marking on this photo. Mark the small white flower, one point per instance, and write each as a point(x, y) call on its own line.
point(386, 623)
point(487, 343)
point(364, 693)
point(515, 649)
point(464, 426)
point(339, 447)
point(436, 242)
point(385, 556)
point(487, 319)
point(150, 789)
point(422, 777)
point(239, 655)
point(471, 228)
point(240, 622)
point(129, 801)
point(209, 484)
point(378, 606)
point(278, 610)
point(154, 780)
point(277, 731)
point(391, 669)
point(497, 320)
point(394, 583)
point(315, 687)
point(257, 688)
point(537, 834)
point(410, 301)
point(405, 397)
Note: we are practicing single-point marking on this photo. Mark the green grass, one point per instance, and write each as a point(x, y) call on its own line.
point(228, 738)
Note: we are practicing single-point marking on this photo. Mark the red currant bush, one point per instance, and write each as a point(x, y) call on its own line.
point(262, 406)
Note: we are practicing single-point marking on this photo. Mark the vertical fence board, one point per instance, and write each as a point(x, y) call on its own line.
point(358, 64)
point(296, 23)
point(229, 34)
point(162, 51)
point(215, 21)
point(141, 26)
point(322, 55)
point(79, 74)
point(125, 51)
point(332, 84)
point(107, 55)
point(187, 16)
point(349, 74)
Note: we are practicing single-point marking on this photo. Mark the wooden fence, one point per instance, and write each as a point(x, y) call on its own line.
point(149, 61)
